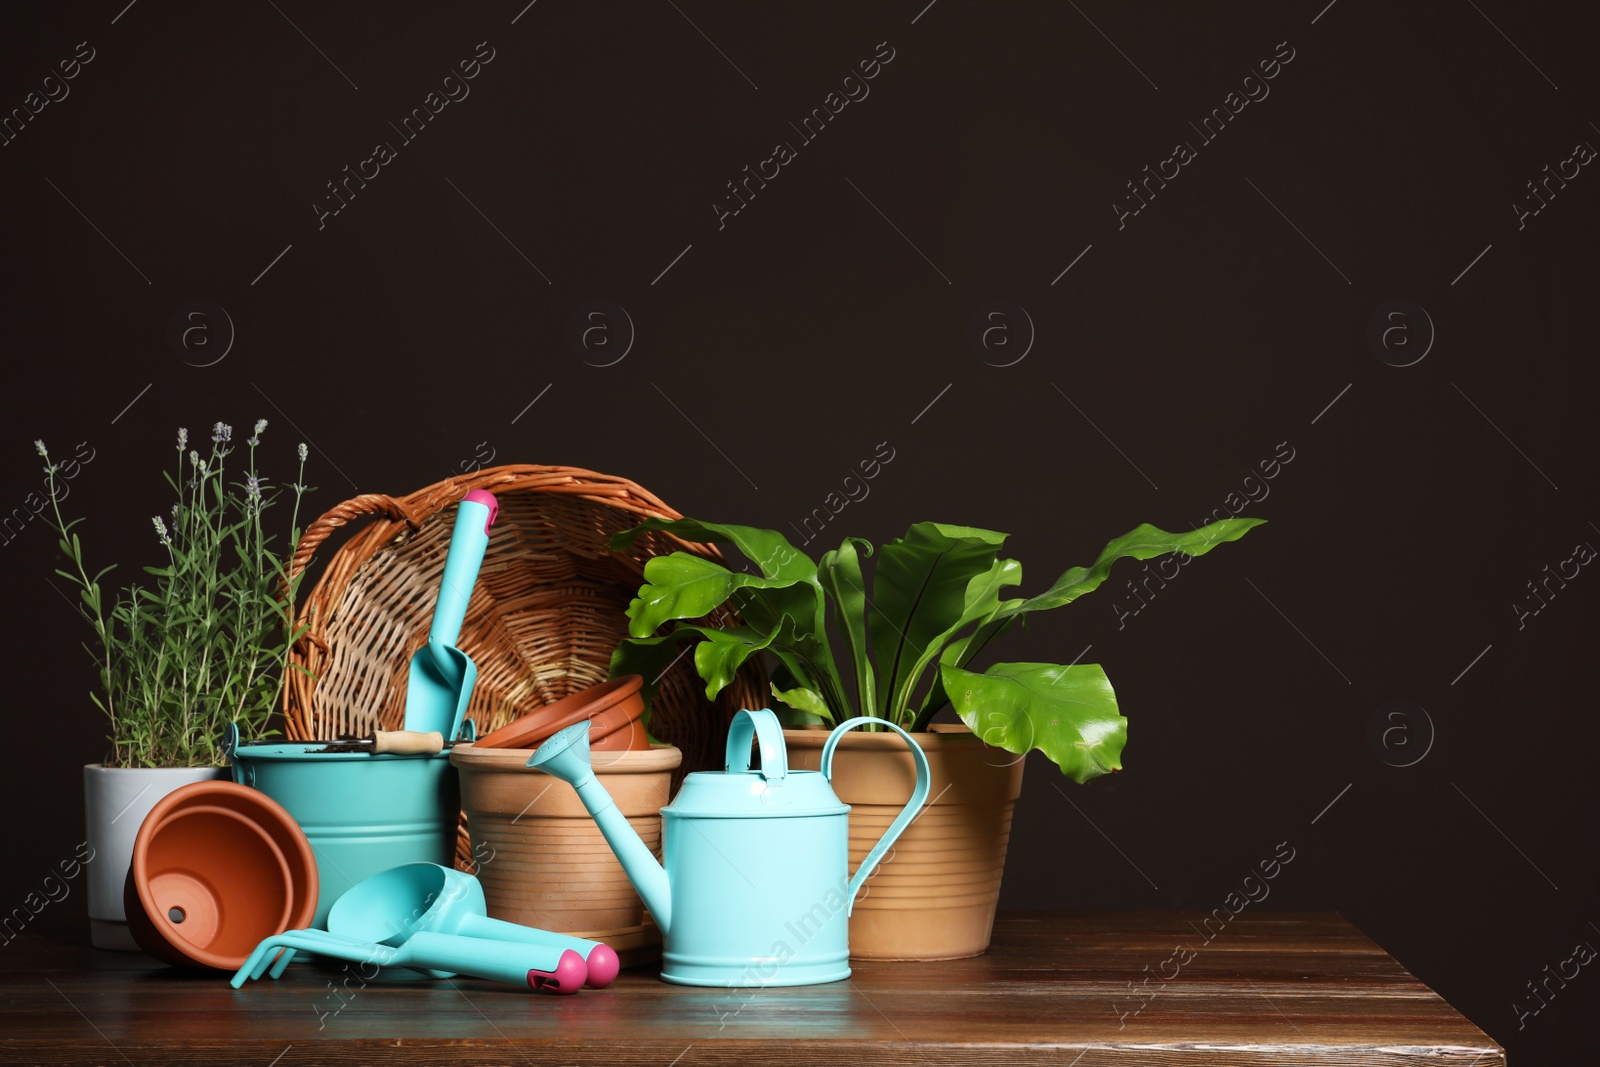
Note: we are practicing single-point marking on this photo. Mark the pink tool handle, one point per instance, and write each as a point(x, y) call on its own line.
point(486, 498)
point(568, 977)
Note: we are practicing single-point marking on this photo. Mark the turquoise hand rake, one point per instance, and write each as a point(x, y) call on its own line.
point(541, 968)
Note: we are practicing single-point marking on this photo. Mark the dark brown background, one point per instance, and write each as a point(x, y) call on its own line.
point(809, 330)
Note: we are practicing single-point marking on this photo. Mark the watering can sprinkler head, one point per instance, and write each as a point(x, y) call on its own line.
point(565, 755)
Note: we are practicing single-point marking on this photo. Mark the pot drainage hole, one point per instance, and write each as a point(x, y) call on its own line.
point(176, 915)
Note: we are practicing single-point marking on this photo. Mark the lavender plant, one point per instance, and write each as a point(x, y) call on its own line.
point(205, 640)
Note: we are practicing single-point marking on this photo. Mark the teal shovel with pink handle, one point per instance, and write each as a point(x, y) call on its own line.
point(441, 677)
point(396, 904)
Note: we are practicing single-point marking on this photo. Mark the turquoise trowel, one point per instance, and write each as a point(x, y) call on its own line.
point(442, 676)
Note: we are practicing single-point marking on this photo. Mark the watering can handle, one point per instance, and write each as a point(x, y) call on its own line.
point(763, 725)
point(919, 796)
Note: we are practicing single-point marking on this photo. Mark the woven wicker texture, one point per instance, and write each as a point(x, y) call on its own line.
point(542, 623)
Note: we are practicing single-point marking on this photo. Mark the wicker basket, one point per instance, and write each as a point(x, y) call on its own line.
point(545, 616)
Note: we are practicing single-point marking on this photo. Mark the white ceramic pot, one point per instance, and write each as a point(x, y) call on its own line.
point(115, 802)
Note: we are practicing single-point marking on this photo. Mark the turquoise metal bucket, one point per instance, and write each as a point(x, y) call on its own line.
point(362, 813)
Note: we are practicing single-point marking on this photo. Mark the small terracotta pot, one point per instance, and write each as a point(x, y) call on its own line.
point(541, 858)
point(216, 868)
point(613, 709)
point(933, 897)
point(115, 802)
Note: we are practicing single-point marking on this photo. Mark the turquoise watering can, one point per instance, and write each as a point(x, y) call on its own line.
point(756, 890)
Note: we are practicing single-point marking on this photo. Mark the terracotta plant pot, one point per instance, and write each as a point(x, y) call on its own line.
point(541, 859)
point(613, 709)
point(933, 897)
point(216, 868)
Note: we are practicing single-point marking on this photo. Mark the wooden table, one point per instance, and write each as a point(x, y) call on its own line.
point(1084, 989)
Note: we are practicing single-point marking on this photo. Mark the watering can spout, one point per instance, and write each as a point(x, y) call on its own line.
point(565, 755)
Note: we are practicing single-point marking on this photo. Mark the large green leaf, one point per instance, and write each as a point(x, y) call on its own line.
point(722, 651)
point(981, 600)
point(649, 658)
point(685, 586)
point(769, 550)
point(840, 571)
point(1068, 713)
point(785, 599)
point(718, 654)
point(919, 592)
point(959, 651)
point(800, 604)
point(795, 615)
point(788, 677)
point(784, 602)
point(1142, 542)
point(808, 701)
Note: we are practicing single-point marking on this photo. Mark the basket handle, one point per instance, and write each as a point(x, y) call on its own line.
point(341, 515)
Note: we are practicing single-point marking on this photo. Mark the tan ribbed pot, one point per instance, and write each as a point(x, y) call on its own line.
point(933, 897)
point(540, 857)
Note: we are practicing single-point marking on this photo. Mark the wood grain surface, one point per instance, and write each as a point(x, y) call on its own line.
point(1085, 989)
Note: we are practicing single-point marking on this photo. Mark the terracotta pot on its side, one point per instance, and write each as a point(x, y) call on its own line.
point(933, 897)
point(614, 709)
point(217, 867)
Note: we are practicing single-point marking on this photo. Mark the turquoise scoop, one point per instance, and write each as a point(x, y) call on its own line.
point(394, 905)
point(755, 890)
